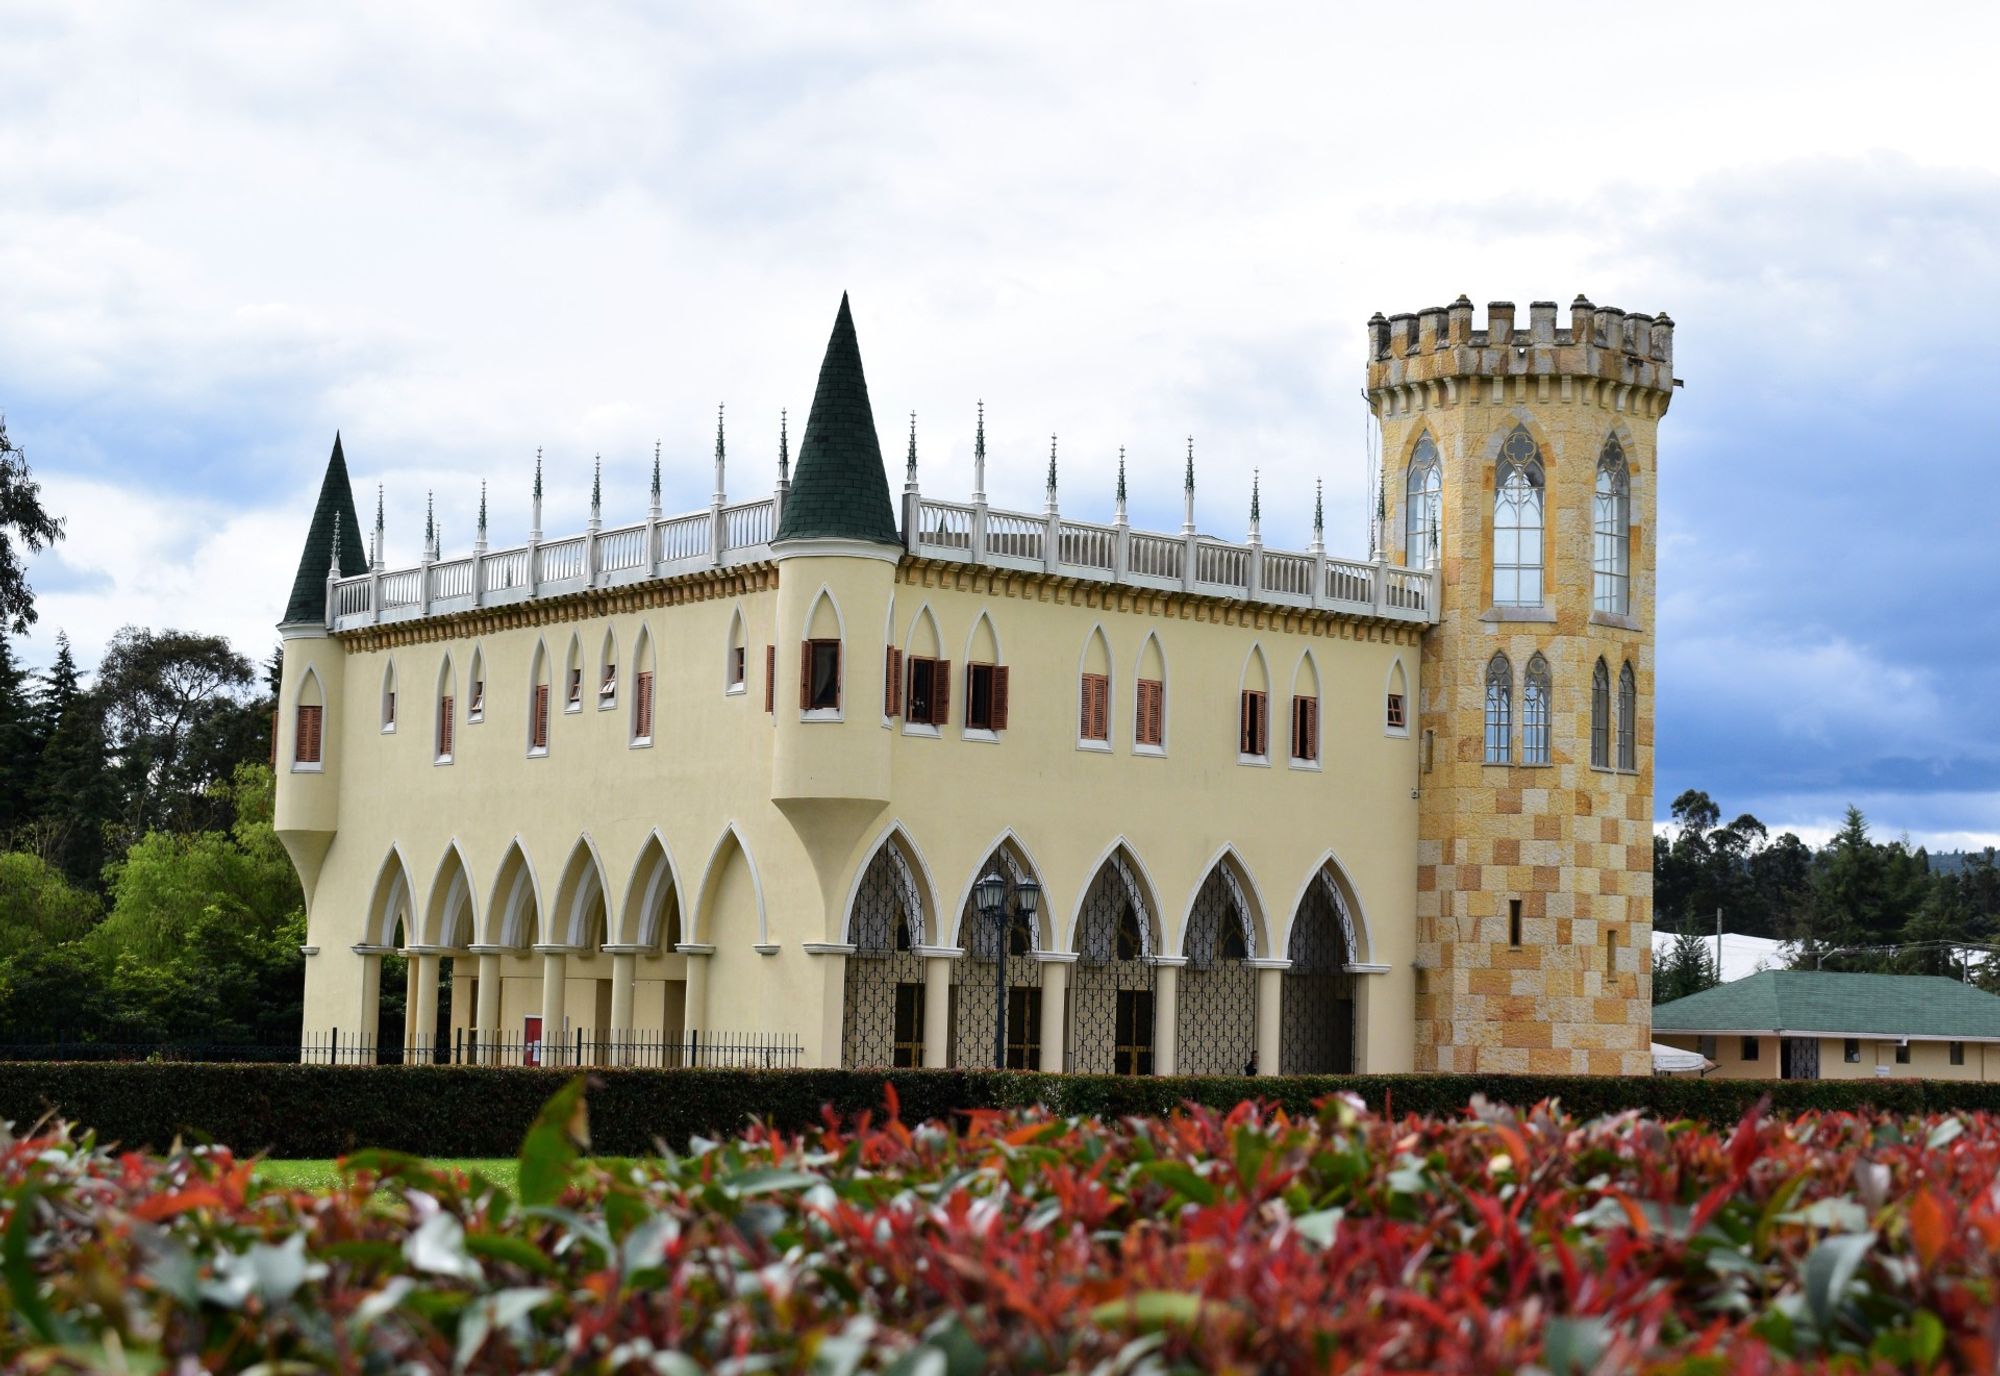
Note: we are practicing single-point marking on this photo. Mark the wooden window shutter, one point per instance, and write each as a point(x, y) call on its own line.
point(892, 682)
point(643, 705)
point(1243, 725)
point(305, 749)
point(770, 678)
point(941, 693)
point(805, 675)
point(1095, 704)
point(1261, 719)
point(1086, 706)
point(999, 697)
point(444, 725)
point(1104, 709)
point(541, 722)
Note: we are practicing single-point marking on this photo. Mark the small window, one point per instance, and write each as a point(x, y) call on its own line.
point(575, 698)
point(1958, 1053)
point(642, 706)
point(909, 1026)
point(738, 668)
point(389, 709)
point(1149, 718)
point(928, 701)
point(306, 739)
point(1748, 1050)
point(1024, 1029)
point(986, 697)
point(1094, 709)
point(1514, 923)
point(819, 676)
point(1706, 1045)
point(1850, 1051)
point(1610, 953)
point(1132, 1052)
point(1600, 716)
point(1903, 1051)
point(1628, 720)
point(446, 731)
point(1535, 711)
point(538, 720)
point(475, 706)
point(892, 682)
point(1305, 729)
point(771, 678)
point(1499, 711)
point(1253, 733)
point(1395, 718)
point(607, 687)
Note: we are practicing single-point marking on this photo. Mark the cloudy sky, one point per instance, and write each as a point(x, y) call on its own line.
point(459, 233)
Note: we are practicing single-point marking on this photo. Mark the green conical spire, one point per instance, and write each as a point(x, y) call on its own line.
point(1121, 473)
point(841, 491)
point(333, 517)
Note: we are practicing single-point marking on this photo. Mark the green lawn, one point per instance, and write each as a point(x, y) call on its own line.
point(321, 1174)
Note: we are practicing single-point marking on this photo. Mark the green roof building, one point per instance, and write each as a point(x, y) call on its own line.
point(333, 511)
point(1808, 1024)
point(840, 491)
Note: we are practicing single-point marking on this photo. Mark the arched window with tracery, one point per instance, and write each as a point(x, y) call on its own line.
point(1517, 523)
point(1423, 498)
point(1600, 716)
point(1499, 710)
point(1628, 718)
point(1535, 711)
point(1612, 524)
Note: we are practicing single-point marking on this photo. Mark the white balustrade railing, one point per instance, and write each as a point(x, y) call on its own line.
point(1015, 536)
point(942, 530)
point(1158, 556)
point(1091, 547)
point(621, 549)
point(748, 524)
point(684, 537)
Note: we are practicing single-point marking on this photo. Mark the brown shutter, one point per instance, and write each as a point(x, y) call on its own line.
point(540, 738)
point(1243, 725)
point(1263, 724)
point(892, 682)
point(643, 703)
point(444, 725)
point(941, 692)
point(306, 748)
point(1086, 689)
point(839, 673)
point(1103, 722)
point(999, 697)
point(805, 674)
point(771, 678)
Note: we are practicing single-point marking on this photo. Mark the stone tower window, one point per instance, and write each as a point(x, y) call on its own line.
point(1612, 524)
point(1420, 506)
point(1535, 712)
point(1499, 711)
point(1628, 719)
point(1600, 716)
point(1517, 523)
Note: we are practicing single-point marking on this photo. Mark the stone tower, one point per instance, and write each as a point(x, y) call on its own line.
point(1520, 464)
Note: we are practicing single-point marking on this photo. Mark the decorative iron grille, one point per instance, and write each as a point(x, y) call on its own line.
point(882, 1018)
point(974, 992)
point(1316, 995)
point(1111, 985)
point(1215, 1026)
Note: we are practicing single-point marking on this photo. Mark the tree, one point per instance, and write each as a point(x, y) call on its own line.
point(179, 718)
point(22, 523)
point(20, 745)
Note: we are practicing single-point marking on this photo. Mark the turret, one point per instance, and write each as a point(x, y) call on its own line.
point(1519, 464)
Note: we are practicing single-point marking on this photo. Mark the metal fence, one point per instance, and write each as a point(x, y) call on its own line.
point(656, 1050)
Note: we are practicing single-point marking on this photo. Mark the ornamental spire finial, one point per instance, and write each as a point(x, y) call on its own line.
point(333, 566)
point(1190, 464)
point(784, 448)
point(719, 449)
point(535, 519)
point(538, 472)
point(1121, 473)
point(1319, 508)
point(430, 525)
point(480, 539)
point(910, 465)
point(721, 458)
point(1052, 463)
point(979, 457)
point(1256, 505)
point(377, 550)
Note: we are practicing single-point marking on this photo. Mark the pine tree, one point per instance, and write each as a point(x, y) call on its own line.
point(20, 743)
point(74, 794)
point(1689, 968)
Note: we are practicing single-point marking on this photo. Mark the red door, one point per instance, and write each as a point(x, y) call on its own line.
point(531, 1040)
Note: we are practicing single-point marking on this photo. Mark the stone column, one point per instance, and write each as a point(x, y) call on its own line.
point(486, 1016)
point(555, 976)
point(411, 968)
point(1166, 1014)
point(694, 1018)
point(624, 979)
point(359, 1048)
point(424, 1002)
point(937, 1009)
point(1270, 1015)
point(1055, 991)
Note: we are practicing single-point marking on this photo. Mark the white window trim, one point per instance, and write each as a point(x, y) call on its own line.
point(308, 767)
point(389, 728)
point(606, 701)
point(736, 690)
point(474, 716)
point(983, 734)
point(1151, 752)
point(923, 730)
point(640, 743)
point(442, 760)
point(1254, 761)
point(820, 714)
point(1092, 745)
point(1306, 766)
point(538, 752)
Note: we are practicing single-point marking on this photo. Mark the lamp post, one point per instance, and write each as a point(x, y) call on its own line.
point(990, 893)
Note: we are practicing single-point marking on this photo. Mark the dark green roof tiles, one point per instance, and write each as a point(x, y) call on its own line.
point(308, 601)
point(840, 490)
point(1811, 1001)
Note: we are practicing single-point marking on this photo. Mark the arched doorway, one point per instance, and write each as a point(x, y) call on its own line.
point(1316, 1001)
point(976, 991)
point(1111, 985)
point(1215, 1025)
point(882, 1013)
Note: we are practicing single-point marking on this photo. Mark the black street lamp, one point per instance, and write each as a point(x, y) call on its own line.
point(990, 894)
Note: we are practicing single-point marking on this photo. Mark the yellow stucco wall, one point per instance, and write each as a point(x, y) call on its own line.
point(769, 818)
point(1929, 1060)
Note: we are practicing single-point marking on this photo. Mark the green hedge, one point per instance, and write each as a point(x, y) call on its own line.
point(318, 1111)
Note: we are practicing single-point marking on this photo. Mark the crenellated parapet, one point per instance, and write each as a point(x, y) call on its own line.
point(1435, 357)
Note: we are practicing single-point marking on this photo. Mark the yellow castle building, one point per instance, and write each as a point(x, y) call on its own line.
point(828, 778)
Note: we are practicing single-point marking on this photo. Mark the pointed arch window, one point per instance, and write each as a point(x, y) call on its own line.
point(1600, 716)
point(1535, 711)
point(1628, 718)
point(389, 700)
point(1499, 711)
point(1517, 523)
point(1421, 505)
point(1612, 528)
